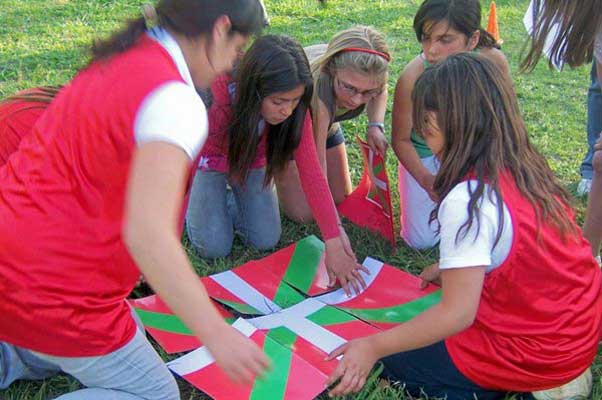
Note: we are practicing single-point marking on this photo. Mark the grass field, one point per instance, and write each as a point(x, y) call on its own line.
point(45, 41)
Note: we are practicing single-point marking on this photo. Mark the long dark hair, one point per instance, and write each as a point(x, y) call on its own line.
point(41, 94)
point(191, 18)
point(463, 16)
point(485, 137)
point(273, 64)
point(578, 22)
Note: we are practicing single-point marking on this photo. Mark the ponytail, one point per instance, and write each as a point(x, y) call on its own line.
point(190, 18)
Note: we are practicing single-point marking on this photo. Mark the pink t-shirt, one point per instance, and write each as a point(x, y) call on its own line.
point(214, 156)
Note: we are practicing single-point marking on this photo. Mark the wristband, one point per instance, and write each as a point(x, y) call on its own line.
point(379, 125)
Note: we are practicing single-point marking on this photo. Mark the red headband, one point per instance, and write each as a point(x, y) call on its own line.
point(386, 56)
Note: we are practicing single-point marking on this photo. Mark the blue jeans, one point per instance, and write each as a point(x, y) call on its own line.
point(594, 123)
point(216, 211)
point(133, 372)
point(431, 371)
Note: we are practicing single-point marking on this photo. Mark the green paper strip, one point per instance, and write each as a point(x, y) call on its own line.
point(377, 168)
point(284, 336)
point(272, 386)
point(164, 322)
point(304, 263)
point(286, 296)
point(330, 316)
point(167, 322)
point(396, 314)
point(240, 307)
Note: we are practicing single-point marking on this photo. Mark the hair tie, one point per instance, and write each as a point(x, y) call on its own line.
point(151, 19)
point(386, 56)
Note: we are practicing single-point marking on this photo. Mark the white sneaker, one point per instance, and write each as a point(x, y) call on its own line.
point(584, 187)
point(578, 389)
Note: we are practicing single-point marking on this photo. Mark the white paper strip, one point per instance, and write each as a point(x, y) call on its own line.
point(339, 296)
point(247, 293)
point(315, 334)
point(300, 310)
point(201, 358)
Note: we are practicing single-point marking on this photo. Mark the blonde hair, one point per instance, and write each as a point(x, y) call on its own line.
point(359, 36)
point(336, 58)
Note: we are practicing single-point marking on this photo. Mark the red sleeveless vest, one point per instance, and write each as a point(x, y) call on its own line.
point(64, 269)
point(539, 318)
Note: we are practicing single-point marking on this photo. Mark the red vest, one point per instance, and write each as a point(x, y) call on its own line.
point(539, 319)
point(64, 269)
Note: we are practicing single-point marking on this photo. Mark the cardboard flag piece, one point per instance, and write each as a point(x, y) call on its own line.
point(391, 297)
point(369, 205)
point(290, 377)
point(251, 290)
point(301, 265)
point(312, 330)
point(165, 327)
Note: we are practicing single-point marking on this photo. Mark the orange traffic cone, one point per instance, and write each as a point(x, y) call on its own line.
point(492, 26)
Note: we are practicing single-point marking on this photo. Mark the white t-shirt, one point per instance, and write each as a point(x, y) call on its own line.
point(476, 247)
point(173, 112)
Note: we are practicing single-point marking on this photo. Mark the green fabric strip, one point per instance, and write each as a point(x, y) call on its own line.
point(163, 322)
point(272, 385)
point(397, 314)
point(304, 263)
point(330, 316)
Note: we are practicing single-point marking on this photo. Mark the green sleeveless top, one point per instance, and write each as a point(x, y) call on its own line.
point(419, 144)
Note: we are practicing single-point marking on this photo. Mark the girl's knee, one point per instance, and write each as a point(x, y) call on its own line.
point(168, 389)
point(267, 239)
point(210, 244)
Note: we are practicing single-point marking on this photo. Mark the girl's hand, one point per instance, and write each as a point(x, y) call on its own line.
point(376, 140)
point(432, 273)
point(427, 182)
point(236, 355)
point(353, 369)
point(341, 264)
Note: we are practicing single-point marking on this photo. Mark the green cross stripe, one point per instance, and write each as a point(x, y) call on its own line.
point(272, 385)
point(166, 322)
point(377, 168)
point(240, 307)
point(304, 263)
point(163, 322)
point(330, 316)
point(396, 314)
point(286, 296)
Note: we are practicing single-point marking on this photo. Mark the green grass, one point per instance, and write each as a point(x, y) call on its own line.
point(44, 42)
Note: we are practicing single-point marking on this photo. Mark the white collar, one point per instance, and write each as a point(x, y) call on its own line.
point(168, 42)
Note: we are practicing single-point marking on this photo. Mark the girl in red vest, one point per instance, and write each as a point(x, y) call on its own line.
point(92, 198)
point(521, 306)
point(258, 122)
point(18, 115)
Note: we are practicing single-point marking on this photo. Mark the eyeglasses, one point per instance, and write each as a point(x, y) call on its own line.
point(352, 91)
